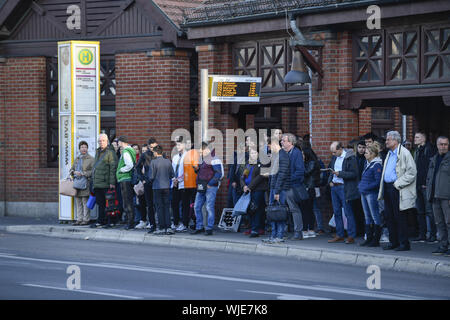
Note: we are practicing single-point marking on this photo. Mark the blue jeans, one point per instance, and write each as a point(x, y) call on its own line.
point(210, 198)
point(137, 212)
point(232, 196)
point(278, 227)
point(370, 206)
point(339, 202)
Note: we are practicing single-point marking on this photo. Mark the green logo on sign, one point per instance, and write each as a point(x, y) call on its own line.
point(85, 56)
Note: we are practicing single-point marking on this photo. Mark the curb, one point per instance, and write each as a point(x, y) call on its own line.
point(414, 265)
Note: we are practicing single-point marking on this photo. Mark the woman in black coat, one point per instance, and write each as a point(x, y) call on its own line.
point(312, 180)
point(254, 180)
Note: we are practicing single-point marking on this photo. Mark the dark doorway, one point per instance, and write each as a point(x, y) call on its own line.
point(268, 117)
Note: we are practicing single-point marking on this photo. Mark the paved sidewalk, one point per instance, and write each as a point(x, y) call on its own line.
point(418, 260)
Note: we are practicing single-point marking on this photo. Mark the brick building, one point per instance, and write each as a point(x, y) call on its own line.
point(147, 78)
point(152, 51)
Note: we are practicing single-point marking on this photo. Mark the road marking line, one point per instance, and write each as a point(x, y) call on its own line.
point(287, 296)
point(374, 293)
point(82, 291)
point(223, 278)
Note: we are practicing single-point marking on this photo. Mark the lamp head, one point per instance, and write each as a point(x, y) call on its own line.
point(298, 73)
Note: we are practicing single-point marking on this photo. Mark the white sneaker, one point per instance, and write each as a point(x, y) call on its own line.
point(311, 234)
point(384, 238)
point(159, 232)
point(181, 228)
point(148, 226)
point(141, 225)
point(174, 227)
point(306, 234)
point(278, 240)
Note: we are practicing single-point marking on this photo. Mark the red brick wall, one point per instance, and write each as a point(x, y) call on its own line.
point(302, 119)
point(330, 123)
point(365, 121)
point(218, 60)
point(152, 96)
point(23, 132)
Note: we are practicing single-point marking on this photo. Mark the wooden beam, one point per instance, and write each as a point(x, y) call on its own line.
point(310, 60)
point(236, 29)
point(113, 17)
point(7, 9)
point(350, 99)
point(37, 8)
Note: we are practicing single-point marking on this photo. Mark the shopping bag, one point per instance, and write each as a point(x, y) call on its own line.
point(332, 222)
point(91, 202)
point(241, 205)
point(66, 188)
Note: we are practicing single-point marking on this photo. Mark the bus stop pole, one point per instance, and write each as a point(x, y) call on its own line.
point(204, 102)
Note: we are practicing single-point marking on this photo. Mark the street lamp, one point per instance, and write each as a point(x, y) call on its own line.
point(298, 73)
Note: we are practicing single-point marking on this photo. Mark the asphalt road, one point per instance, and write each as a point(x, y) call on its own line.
point(36, 267)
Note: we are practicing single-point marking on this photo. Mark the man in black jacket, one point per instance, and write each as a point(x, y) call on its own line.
point(438, 192)
point(424, 152)
point(344, 189)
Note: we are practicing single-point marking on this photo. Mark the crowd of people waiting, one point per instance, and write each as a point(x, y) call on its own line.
point(374, 185)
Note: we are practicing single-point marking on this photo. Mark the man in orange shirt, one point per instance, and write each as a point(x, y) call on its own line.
point(190, 160)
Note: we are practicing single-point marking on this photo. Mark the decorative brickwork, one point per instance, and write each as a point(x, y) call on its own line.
point(24, 176)
point(152, 98)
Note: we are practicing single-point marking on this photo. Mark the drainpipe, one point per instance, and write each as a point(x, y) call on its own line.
point(310, 107)
point(299, 37)
point(404, 127)
point(301, 40)
point(2, 144)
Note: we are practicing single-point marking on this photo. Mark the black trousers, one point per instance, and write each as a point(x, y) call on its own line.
point(100, 199)
point(184, 197)
point(187, 199)
point(358, 213)
point(177, 195)
point(127, 197)
point(148, 193)
point(306, 207)
point(396, 220)
point(162, 206)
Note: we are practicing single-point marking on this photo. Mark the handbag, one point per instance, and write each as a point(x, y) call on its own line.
point(139, 189)
point(80, 182)
point(202, 186)
point(277, 212)
point(241, 205)
point(91, 202)
point(66, 188)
